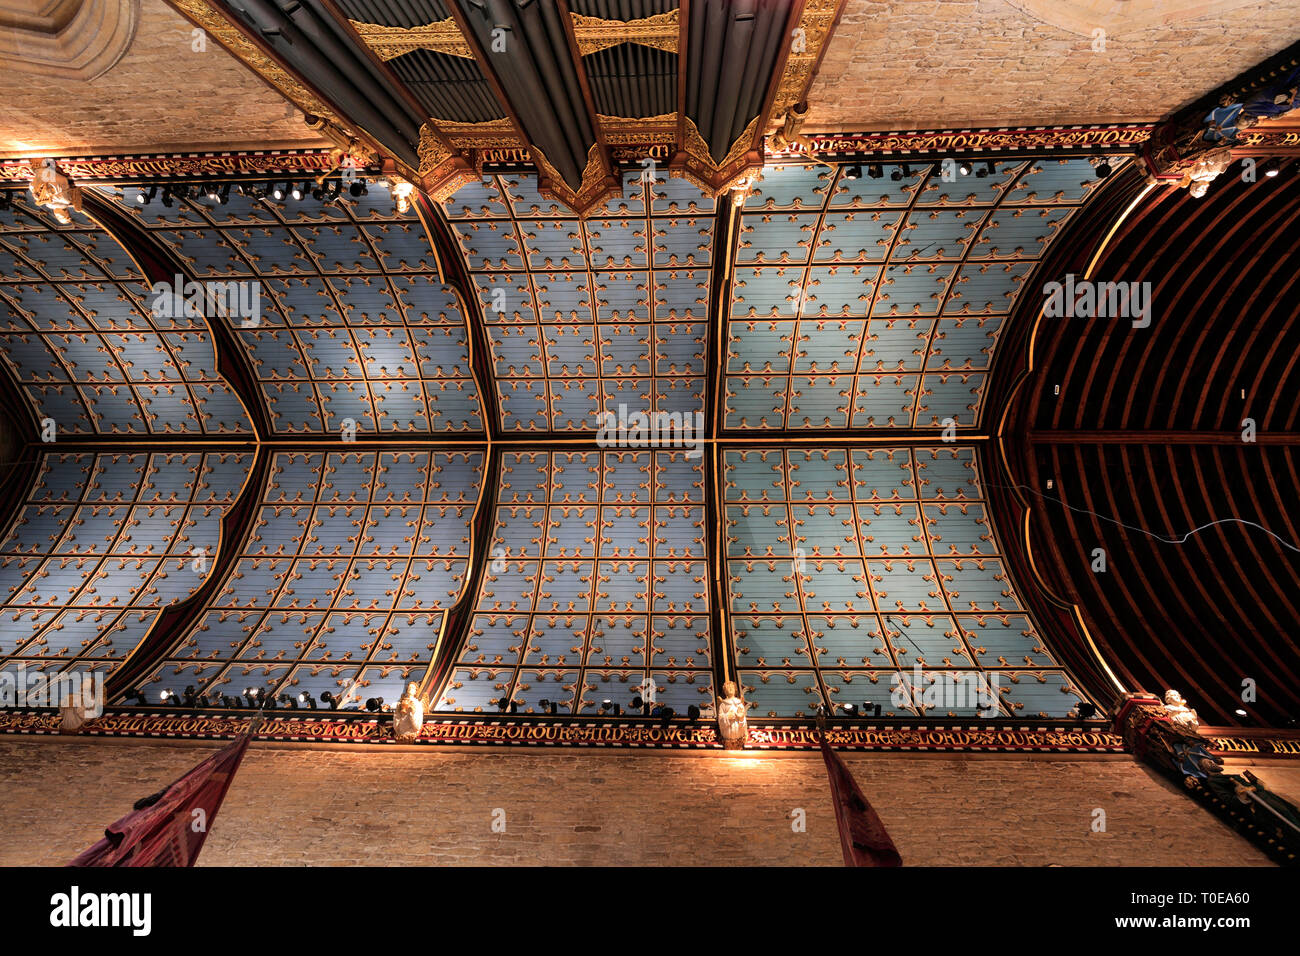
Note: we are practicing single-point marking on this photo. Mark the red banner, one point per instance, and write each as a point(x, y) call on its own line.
point(863, 837)
point(168, 828)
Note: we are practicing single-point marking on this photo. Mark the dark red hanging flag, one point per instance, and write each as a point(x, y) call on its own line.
point(168, 829)
point(863, 837)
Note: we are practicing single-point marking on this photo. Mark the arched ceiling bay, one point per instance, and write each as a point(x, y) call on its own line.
point(86, 347)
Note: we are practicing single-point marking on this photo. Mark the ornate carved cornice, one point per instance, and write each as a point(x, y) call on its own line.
point(1026, 139)
point(741, 161)
point(115, 169)
point(446, 729)
point(497, 133)
point(441, 171)
point(660, 31)
point(442, 36)
point(596, 186)
point(630, 130)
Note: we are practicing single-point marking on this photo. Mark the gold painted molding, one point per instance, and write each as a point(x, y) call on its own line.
point(441, 36)
point(807, 41)
point(660, 31)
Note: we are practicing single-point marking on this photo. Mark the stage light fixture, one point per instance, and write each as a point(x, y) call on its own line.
point(1103, 169)
point(331, 699)
point(308, 700)
point(289, 701)
point(1087, 710)
point(1273, 167)
point(357, 188)
point(167, 197)
point(964, 167)
point(897, 174)
point(503, 704)
point(666, 714)
point(875, 171)
point(143, 198)
point(295, 191)
point(375, 704)
point(850, 710)
point(693, 713)
point(278, 191)
point(853, 172)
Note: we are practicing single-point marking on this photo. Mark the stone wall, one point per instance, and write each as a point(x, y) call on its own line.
point(299, 805)
point(162, 95)
point(938, 64)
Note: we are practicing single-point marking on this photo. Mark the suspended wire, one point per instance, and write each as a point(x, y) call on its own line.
point(1151, 534)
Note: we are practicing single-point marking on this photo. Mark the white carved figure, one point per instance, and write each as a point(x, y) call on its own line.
point(732, 724)
point(1207, 169)
point(1180, 715)
point(408, 715)
point(52, 189)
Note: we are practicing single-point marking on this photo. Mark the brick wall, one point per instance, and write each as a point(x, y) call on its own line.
point(160, 96)
point(925, 64)
point(338, 806)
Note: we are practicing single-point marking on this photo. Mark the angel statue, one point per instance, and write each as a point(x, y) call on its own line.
point(731, 718)
point(52, 189)
point(408, 715)
point(1180, 715)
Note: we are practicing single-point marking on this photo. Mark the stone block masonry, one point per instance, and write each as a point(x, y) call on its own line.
point(294, 806)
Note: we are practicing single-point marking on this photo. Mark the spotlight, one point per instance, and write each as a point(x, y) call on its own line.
point(204, 701)
point(503, 704)
point(988, 169)
point(190, 696)
point(228, 701)
point(223, 194)
point(692, 713)
point(606, 705)
point(181, 191)
point(850, 710)
point(295, 191)
point(1239, 712)
point(287, 700)
point(375, 704)
point(308, 700)
point(268, 700)
point(336, 187)
point(136, 695)
point(6, 200)
point(1087, 710)
point(666, 715)
point(1103, 169)
point(357, 188)
point(167, 197)
point(1272, 167)
point(549, 706)
point(169, 697)
point(514, 707)
point(869, 709)
point(897, 174)
point(278, 191)
point(964, 167)
point(853, 172)
point(211, 191)
point(318, 193)
point(331, 699)
point(875, 171)
point(144, 198)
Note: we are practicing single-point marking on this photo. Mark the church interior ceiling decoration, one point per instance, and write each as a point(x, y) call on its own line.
point(355, 330)
point(342, 583)
point(585, 316)
point(597, 588)
point(85, 344)
point(876, 302)
point(100, 544)
point(508, 560)
point(872, 577)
